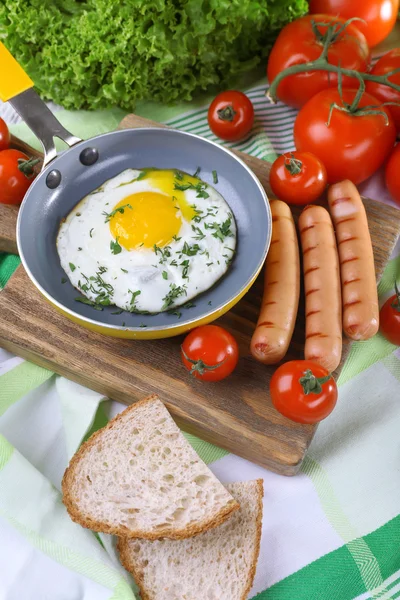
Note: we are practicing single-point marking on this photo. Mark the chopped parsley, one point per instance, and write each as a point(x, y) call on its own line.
point(173, 263)
point(115, 246)
point(117, 312)
point(189, 305)
point(196, 173)
point(84, 300)
point(98, 191)
point(124, 270)
point(120, 209)
point(79, 249)
point(185, 264)
point(133, 301)
point(177, 313)
point(142, 325)
point(179, 175)
point(173, 294)
point(199, 234)
point(78, 214)
point(141, 175)
point(163, 252)
point(90, 232)
point(200, 188)
point(123, 323)
point(209, 264)
point(190, 250)
point(215, 176)
point(165, 275)
point(221, 231)
point(128, 182)
point(63, 280)
point(176, 238)
point(209, 304)
point(97, 286)
point(72, 267)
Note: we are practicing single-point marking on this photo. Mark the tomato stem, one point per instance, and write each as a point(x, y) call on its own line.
point(293, 165)
point(312, 384)
point(322, 64)
point(199, 366)
point(227, 113)
point(396, 303)
point(26, 166)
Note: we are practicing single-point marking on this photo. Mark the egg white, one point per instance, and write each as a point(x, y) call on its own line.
point(84, 239)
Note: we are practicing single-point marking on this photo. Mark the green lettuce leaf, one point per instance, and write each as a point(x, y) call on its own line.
point(99, 53)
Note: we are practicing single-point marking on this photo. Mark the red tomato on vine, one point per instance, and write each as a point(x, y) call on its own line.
point(301, 42)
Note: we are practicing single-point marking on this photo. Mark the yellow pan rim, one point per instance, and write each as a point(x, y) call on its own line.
point(154, 333)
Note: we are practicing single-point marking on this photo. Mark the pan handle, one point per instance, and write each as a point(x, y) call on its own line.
point(17, 88)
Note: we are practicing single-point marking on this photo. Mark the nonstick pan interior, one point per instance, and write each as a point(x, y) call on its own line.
point(43, 209)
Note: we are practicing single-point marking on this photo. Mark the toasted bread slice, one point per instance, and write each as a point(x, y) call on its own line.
point(219, 564)
point(139, 477)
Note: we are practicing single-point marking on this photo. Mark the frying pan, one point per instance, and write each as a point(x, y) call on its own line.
point(69, 176)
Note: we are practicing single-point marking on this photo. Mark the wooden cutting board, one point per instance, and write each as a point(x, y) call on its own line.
point(235, 414)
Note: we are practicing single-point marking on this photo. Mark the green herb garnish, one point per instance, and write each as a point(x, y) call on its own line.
point(84, 300)
point(173, 294)
point(63, 280)
point(72, 267)
point(142, 325)
point(185, 264)
point(190, 250)
point(115, 246)
point(165, 275)
point(198, 187)
point(196, 173)
point(215, 177)
point(124, 270)
point(189, 305)
point(176, 238)
point(117, 312)
point(221, 231)
point(199, 234)
point(90, 232)
point(133, 300)
point(120, 209)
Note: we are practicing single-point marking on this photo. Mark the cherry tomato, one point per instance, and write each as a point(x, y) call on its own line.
point(390, 318)
point(298, 178)
point(303, 391)
point(298, 43)
point(387, 63)
point(231, 115)
point(4, 136)
point(16, 175)
point(392, 174)
point(210, 353)
point(379, 15)
point(351, 146)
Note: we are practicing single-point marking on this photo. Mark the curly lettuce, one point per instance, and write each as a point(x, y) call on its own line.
point(99, 53)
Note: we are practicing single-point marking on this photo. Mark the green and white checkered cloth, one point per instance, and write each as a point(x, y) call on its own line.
point(332, 532)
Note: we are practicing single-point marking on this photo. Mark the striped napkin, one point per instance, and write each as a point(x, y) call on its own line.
point(332, 532)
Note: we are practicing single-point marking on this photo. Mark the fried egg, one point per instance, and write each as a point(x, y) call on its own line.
point(147, 241)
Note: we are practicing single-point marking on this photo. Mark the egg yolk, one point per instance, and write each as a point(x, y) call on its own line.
point(152, 217)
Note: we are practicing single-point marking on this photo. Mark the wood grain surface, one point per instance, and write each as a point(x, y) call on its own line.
point(235, 414)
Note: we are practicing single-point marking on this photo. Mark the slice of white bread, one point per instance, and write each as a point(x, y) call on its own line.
point(219, 564)
point(139, 477)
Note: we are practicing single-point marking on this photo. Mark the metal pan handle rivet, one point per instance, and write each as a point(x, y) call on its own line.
point(89, 156)
point(53, 179)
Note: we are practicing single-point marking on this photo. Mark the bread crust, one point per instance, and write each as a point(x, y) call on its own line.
point(129, 565)
point(94, 525)
point(252, 572)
